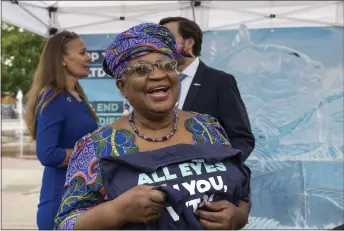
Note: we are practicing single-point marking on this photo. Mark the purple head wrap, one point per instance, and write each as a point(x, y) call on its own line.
point(137, 41)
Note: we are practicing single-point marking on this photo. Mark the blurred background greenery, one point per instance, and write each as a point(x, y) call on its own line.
point(20, 55)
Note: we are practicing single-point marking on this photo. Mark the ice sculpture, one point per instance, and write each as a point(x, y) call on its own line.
point(295, 107)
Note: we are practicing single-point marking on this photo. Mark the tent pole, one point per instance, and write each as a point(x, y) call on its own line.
point(52, 11)
point(281, 14)
point(193, 10)
point(29, 12)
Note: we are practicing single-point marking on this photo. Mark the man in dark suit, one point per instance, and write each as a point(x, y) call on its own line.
point(207, 90)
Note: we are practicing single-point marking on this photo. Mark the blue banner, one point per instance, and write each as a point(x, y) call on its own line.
point(96, 65)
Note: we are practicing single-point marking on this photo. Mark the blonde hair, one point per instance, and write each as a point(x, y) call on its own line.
point(50, 74)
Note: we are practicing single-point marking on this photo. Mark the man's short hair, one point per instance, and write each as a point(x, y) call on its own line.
point(187, 29)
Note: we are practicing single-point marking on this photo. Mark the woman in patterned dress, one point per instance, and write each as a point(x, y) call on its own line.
point(158, 167)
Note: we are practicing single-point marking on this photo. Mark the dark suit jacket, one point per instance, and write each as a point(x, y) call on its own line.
point(219, 97)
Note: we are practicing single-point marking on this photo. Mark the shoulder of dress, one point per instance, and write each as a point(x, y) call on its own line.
point(108, 141)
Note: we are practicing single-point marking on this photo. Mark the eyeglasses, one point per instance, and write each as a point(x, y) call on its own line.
point(69, 35)
point(145, 69)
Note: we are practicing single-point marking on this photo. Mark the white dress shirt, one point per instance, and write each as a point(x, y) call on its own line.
point(190, 71)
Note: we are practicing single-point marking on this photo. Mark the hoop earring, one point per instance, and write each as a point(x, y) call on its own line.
point(126, 109)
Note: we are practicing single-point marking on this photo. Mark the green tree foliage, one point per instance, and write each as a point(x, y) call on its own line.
point(20, 55)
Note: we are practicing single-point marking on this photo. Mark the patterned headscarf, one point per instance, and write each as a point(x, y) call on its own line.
point(137, 41)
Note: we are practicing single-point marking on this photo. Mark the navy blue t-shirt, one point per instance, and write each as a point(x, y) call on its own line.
point(193, 174)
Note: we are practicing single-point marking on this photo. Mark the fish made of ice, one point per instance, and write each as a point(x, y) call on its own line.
point(268, 74)
point(282, 89)
point(272, 71)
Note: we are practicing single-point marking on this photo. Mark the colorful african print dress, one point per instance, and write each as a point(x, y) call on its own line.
point(107, 163)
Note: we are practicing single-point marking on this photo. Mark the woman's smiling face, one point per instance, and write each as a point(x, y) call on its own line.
point(150, 83)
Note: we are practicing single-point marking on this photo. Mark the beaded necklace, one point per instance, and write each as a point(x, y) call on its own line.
point(160, 139)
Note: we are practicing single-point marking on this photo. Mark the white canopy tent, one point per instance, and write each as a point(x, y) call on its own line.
point(92, 17)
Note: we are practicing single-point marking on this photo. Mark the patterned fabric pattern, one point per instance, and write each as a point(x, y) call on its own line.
point(84, 188)
point(137, 41)
point(113, 142)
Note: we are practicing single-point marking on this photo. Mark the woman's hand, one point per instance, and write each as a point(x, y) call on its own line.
point(223, 215)
point(67, 158)
point(141, 204)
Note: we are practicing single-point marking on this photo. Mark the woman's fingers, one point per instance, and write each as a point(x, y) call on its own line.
point(157, 196)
